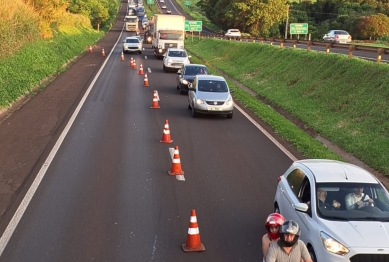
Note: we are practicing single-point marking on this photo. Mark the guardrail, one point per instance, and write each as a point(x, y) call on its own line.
point(328, 46)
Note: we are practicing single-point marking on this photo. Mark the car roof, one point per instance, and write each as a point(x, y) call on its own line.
point(194, 65)
point(175, 49)
point(326, 171)
point(210, 77)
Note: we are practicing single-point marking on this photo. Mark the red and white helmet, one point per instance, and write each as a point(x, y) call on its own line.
point(274, 220)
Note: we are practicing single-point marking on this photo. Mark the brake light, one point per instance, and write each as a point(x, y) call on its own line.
point(336, 36)
point(279, 179)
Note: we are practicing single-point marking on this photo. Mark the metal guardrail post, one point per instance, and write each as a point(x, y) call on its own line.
point(309, 45)
point(282, 44)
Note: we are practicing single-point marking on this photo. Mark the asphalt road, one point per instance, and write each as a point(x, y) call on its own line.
point(107, 196)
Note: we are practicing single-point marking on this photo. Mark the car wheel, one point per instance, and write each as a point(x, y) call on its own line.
point(312, 254)
point(164, 68)
point(277, 209)
point(194, 113)
point(178, 87)
point(140, 52)
point(189, 107)
point(230, 115)
point(181, 92)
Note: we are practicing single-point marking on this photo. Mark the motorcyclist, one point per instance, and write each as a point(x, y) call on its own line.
point(273, 223)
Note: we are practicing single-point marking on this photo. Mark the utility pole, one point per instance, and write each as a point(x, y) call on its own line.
point(287, 20)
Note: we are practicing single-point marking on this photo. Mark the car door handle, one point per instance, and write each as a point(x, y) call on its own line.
point(282, 190)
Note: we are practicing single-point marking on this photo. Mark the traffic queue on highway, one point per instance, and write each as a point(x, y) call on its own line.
point(324, 210)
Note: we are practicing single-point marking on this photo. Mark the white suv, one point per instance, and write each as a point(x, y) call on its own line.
point(342, 210)
point(174, 58)
point(233, 34)
point(132, 44)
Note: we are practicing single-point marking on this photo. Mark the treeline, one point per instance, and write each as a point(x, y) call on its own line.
point(24, 21)
point(364, 19)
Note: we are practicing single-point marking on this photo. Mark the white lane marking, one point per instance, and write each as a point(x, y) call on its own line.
point(35, 184)
point(178, 177)
point(283, 149)
point(149, 69)
point(175, 7)
point(145, 56)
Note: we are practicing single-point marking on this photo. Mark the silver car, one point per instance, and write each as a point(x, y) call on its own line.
point(337, 36)
point(209, 94)
point(174, 58)
point(342, 210)
point(132, 44)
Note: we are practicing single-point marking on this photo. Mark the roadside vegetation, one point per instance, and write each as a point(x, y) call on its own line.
point(37, 38)
point(330, 94)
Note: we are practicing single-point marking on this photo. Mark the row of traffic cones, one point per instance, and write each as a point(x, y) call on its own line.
point(193, 242)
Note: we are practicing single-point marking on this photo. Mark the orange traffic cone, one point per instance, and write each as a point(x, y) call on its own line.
point(176, 164)
point(134, 65)
point(131, 62)
point(193, 243)
point(155, 101)
point(102, 52)
point(141, 70)
point(90, 49)
point(166, 134)
point(122, 56)
point(145, 81)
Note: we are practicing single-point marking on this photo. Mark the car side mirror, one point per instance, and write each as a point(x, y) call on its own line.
point(190, 86)
point(301, 207)
point(124, 41)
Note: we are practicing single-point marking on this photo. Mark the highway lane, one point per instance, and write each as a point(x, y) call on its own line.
point(107, 195)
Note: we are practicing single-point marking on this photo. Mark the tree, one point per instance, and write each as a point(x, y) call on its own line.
point(373, 26)
point(256, 16)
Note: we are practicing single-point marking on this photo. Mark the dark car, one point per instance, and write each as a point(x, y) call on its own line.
point(187, 73)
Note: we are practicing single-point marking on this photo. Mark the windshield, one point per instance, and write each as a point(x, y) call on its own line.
point(177, 54)
point(171, 36)
point(352, 201)
point(132, 40)
point(195, 70)
point(212, 86)
point(131, 20)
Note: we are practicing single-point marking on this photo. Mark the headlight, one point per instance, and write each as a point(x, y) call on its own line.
point(160, 50)
point(333, 246)
point(229, 101)
point(149, 38)
point(199, 101)
point(184, 82)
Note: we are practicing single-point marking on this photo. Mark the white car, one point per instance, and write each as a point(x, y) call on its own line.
point(174, 58)
point(163, 7)
point(209, 94)
point(350, 224)
point(337, 36)
point(162, 1)
point(233, 34)
point(132, 44)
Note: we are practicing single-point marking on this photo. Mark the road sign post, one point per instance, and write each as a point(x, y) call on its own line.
point(298, 28)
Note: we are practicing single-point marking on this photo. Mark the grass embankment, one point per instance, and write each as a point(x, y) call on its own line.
point(344, 100)
point(26, 69)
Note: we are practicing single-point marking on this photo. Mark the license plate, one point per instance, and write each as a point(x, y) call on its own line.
point(215, 108)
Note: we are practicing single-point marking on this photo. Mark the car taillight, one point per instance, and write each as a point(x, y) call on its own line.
point(336, 37)
point(349, 37)
point(279, 179)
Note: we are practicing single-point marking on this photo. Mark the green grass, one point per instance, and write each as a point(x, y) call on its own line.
point(331, 94)
point(26, 69)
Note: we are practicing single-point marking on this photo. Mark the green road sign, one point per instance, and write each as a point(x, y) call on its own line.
point(187, 3)
point(150, 2)
point(193, 26)
point(299, 29)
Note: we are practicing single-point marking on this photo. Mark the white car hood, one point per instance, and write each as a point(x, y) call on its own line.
point(212, 96)
point(177, 59)
point(366, 234)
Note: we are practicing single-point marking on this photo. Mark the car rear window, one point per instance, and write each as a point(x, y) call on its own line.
point(212, 86)
point(196, 70)
point(340, 33)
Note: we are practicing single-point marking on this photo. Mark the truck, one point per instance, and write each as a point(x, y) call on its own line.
point(140, 12)
point(169, 32)
point(131, 23)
